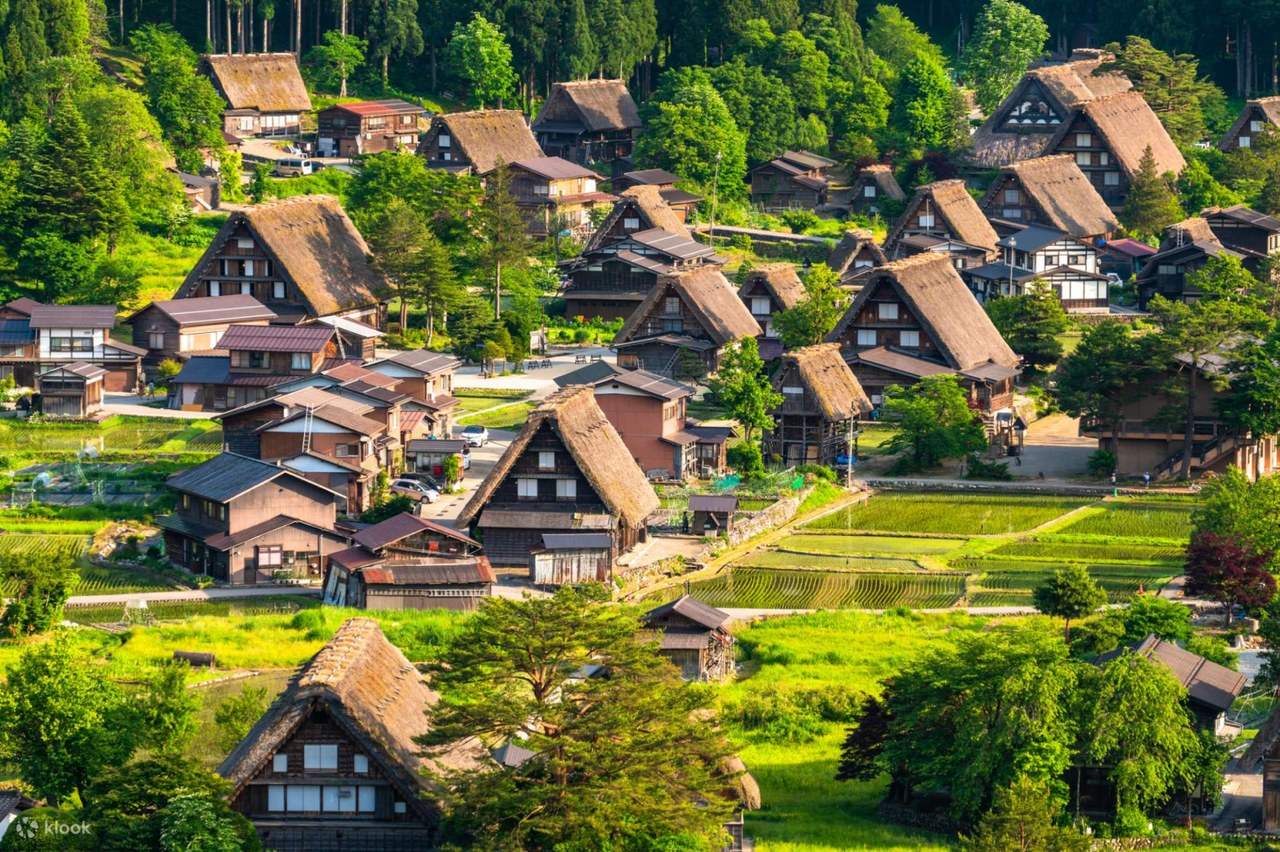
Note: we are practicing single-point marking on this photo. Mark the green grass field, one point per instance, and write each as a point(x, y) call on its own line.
point(115, 435)
point(1052, 547)
point(164, 263)
point(976, 514)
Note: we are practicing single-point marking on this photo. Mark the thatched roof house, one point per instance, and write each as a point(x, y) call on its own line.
point(361, 693)
point(1050, 191)
point(944, 209)
point(856, 251)
point(318, 259)
point(1127, 127)
point(264, 92)
point(828, 381)
point(478, 140)
point(596, 487)
point(638, 208)
point(1257, 116)
point(588, 121)
point(820, 397)
point(779, 280)
point(870, 188)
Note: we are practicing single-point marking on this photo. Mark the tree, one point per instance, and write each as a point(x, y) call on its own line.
point(260, 183)
point(816, 313)
point(763, 105)
point(743, 388)
point(896, 42)
point(237, 714)
point(1198, 776)
point(934, 422)
point(1070, 594)
point(864, 742)
point(1030, 323)
point(1098, 379)
point(38, 591)
point(61, 722)
point(690, 131)
point(1150, 614)
point(167, 711)
point(1250, 403)
point(393, 30)
point(1024, 817)
point(1007, 37)
point(1198, 189)
point(502, 229)
point(1231, 572)
point(481, 57)
point(191, 822)
point(804, 69)
point(336, 59)
point(926, 111)
point(1234, 508)
point(414, 261)
point(1168, 83)
point(627, 743)
point(185, 104)
point(1151, 205)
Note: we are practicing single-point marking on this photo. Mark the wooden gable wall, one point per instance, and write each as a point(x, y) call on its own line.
point(546, 439)
point(888, 332)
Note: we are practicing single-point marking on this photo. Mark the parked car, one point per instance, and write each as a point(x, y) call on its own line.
point(415, 490)
point(423, 477)
point(293, 167)
point(475, 436)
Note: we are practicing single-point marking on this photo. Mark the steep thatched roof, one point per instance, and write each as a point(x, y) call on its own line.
point(646, 201)
point(266, 82)
point(882, 176)
point(780, 279)
point(487, 136)
point(850, 245)
point(829, 380)
point(1269, 107)
point(595, 104)
point(596, 448)
point(1062, 193)
point(938, 298)
point(371, 692)
point(314, 244)
point(710, 296)
point(1190, 230)
point(954, 208)
point(1128, 126)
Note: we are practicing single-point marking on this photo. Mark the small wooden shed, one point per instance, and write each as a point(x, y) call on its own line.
point(712, 513)
point(71, 390)
point(694, 638)
point(567, 558)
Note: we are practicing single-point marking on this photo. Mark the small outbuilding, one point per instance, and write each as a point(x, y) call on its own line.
point(71, 390)
point(568, 558)
point(712, 513)
point(694, 638)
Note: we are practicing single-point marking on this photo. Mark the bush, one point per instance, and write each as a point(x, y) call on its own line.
point(746, 459)
point(817, 471)
point(1102, 463)
point(800, 221)
point(977, 468)
point(741, 242)
point(582, 335)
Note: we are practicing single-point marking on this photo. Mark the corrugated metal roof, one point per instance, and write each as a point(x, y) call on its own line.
point(203, 310)
point(225, 476)
point(359, 329)
point(82, 369)
point(652, 383)
point(596, 371)
point(73, 316)
point(577, 541)
point(389, 106)
point(652, 177)
point(422, 360)
point(435, 572)
point(532, 519)
point(555, 168)
point(23, 305)
point(692, 609)
point(402, 526)
point(224, 541)
point(342, 417)
point(435, 445)
point(713, 503)
point(202, 370)
point(277, 338)
point(672, 244)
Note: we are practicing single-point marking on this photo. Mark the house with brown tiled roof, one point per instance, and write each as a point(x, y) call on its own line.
point(476, 142)
point(588, 121)
point(1050, 191)
point(821, 400)
point(914, 318)
point(567, 471)
point(367, 127)
point(794, 179)
point(556, 195)
point(264, 92)
point(177, 328)
point(1258, 116)
point(35, 338)
point(301, 257)
point(942, 217)
point(681, 328)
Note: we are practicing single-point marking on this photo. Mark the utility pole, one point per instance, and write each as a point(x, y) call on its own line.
point(715, 196)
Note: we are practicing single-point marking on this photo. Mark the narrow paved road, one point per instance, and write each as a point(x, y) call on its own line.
point(132, 405)
point(196, 595)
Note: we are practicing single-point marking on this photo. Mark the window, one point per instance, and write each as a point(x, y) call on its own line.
point(671, 305)
point(926, 220)
point(444, 141)
point(270, 556)
point(869, 191)
point(1245, 142)
point(866, 337)
point(566, 489)
point(631, 223)
point(446, 156)
point(909, 339)
point(527, 489)
point(1255, 126)
point(246, 122)
point(1104, 159)
point(346, 450)
point(275, 797)
point(246, 269)
point(887, 310)
point(1075, 260)
point(759, 305)
point(303, 797)
point(300, 361)
point(215, 288)
point(280, 763)
point(790, 390)
point(399, 807)
point(340, 799)
point(546, 460)
point(277, 289)
point(71, 344)
point(1084, 140)
point(673, 326)
point(1167, 269)
point(155, 340)
point(360, 764)
point(1012, 212)
point(368, 800)
point(540, 189)
point(244, 242)
point(186, 501)
point(1084, 158)
point(863, 264)
point(1111, 179)
point(1011, 196)
point(319, 756)
point(876, 399)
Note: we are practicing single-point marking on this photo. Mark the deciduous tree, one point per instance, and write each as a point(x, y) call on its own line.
point(1024, 817)
point(334, 60)
point(1229, 571)
point(480, 55)
point(816, 313)
point(926, 110)
point(934, 422)
point(690, 131)
point(1098, 379)
point(1007, 37)
point(1070, 594)
point(38, 591)
point(743, 387)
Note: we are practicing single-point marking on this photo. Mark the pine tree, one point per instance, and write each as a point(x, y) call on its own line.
point(502, 229)
point(1151, 205)
point(66, 27)
point(393, 30)
point(579, 58)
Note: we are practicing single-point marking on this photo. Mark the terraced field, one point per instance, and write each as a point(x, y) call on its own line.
point(94, 580)
point(809, 542)
point(826, 561)
point(764, 588)
point(1135, 520)
point(998, 582)
point(954, 514)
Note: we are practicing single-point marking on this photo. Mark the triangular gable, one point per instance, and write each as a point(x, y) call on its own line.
point(1025, 98)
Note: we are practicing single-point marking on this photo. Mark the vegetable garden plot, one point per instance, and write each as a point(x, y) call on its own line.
point(763, 588)
point(1135, 520)
point(948, 513)
point(93, 579)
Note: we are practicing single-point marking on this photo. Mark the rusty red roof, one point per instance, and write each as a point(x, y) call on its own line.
point(276, 338)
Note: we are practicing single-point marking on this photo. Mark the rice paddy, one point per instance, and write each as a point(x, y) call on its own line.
point(967, 514)
point(765, 588)
point(1135, 520)
point(93, 579)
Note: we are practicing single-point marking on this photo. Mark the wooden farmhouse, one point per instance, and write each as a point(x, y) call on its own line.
point(333, 764)
point(428, 378)
point(567, 471)
point(301, 257)
point(869, 190)
point(638, 208)
point(176, 328)
point(694, 637)
point(769, 290)
point(408, 562)
point(663, 181)
point(335, 444)
point(821, 402)
point(795, 179)
point(1145, 439)
point(477, 142)
point(1211, 688)
point(943, 218)
point(368, 127)
point(1245, 230)
point(1184, 249)
point(588, 121)
point(611, 281)
point(1024, 125)
point(1037, 253)
point(34, 338)
point(240, 520)
point(258, 357)
point(556, 195)
point(571, 558)
point(1052, 192)
point(915, 318)
point(682, 326)
point(203, 194)
point(650, 414)
point(712, 514)
point(1258, 116)
point(72, 390)
point(856, 252)
point(264, 92)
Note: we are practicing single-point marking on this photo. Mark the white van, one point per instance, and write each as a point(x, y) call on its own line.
point(293, 167)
